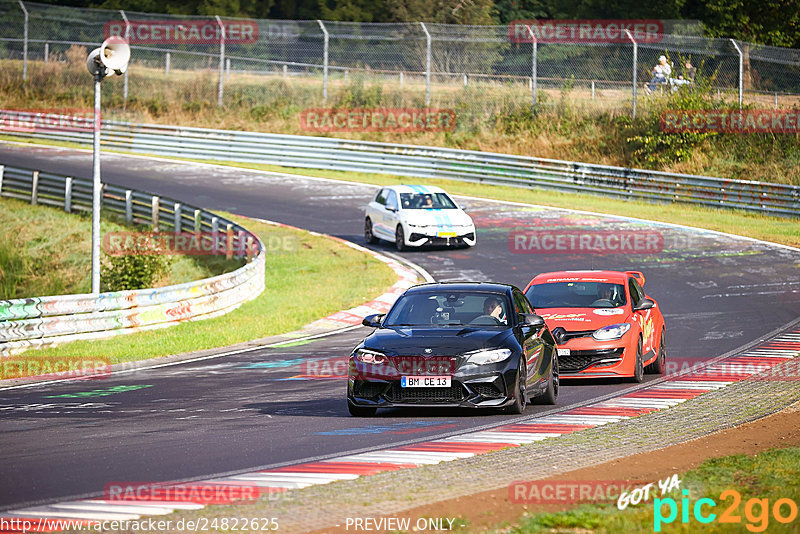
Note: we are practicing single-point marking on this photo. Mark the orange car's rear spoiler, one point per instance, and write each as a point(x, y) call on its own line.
point(638, 275)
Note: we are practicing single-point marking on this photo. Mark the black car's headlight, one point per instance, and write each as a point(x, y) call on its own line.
point(614, 331)
point(369, 356)
point(485, 357)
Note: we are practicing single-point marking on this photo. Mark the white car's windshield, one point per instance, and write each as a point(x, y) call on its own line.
point(430, 201)
point(576, 295)
point(449, 309)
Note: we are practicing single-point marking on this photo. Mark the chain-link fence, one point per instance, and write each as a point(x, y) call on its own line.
point(201, 62)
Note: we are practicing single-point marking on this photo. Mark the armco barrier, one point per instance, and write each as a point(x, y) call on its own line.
point(426, 162)
point(41, 321)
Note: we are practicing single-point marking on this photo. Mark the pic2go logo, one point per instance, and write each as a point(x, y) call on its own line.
point(756, 511)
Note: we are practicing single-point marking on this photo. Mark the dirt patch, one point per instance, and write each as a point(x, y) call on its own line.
point(489, 509)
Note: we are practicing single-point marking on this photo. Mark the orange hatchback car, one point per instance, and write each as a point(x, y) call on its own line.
point(603, 322)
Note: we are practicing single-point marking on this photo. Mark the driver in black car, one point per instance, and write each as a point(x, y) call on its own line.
point(492, 306)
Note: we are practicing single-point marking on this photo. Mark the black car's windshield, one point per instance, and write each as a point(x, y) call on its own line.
point(426, 201)
point(576, 295)
point(449, 309)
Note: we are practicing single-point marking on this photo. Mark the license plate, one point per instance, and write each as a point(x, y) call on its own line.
point(447, 234)
point(563, 352)
point(424, 381)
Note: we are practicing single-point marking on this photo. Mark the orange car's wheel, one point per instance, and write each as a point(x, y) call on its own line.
point(659, 366)
point(638, 367)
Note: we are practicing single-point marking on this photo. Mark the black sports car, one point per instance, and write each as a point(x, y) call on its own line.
point(476, 345)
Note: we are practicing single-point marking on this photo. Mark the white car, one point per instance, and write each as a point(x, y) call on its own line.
point(416, 215)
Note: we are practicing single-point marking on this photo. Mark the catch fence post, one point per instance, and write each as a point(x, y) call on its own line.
point(24, 43)
point(324, 62)
point(127, 40)
point(221, 60)
point(635, 61)
point(427, 65)
point(741, 71)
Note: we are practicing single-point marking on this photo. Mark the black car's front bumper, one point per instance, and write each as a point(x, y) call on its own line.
point(482, 388)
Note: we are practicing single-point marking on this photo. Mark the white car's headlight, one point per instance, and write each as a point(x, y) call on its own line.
point(369, 356)
point(484, 357)
point(614, 331)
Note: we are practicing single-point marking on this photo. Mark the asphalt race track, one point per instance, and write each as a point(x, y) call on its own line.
point(246, 410)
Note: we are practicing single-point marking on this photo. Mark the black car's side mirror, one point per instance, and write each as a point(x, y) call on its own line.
point(644, 304)
point(373, 320)
point(531, 319)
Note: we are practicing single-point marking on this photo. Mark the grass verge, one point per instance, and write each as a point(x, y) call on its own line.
point(760, 481)
point(308, 277)
point(46, 251)
point(569, 124)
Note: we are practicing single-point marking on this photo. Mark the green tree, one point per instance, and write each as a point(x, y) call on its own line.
point(624, 9)
point(771, 22)
point(353, 10)
point(511, 10)
point(443, 11)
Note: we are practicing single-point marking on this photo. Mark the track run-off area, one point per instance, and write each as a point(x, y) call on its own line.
point(255, 409)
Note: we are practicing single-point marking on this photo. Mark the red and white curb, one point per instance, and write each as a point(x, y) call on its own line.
point(756, 361)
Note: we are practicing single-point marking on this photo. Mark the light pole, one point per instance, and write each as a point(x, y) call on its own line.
point(113, 55)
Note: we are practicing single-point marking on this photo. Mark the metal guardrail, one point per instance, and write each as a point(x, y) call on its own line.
point(41, 321)
point(427, 162)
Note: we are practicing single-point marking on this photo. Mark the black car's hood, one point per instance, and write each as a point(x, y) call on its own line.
point(435, 341)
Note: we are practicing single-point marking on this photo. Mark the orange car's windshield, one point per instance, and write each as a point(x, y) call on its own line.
point(576, 295)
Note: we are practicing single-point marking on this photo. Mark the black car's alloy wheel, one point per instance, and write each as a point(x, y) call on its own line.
point(519, 394)
point(550, 395)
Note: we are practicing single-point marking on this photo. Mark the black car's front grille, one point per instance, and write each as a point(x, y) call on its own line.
point(454, 393)
point(578, 360)
point(369, 390)
point(488, 390)
point(425, 365)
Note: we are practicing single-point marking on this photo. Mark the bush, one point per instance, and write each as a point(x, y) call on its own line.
point(655, 148)
point(122, 273)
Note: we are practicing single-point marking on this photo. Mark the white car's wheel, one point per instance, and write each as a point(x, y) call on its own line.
point(400, 239)
point(369, 237)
